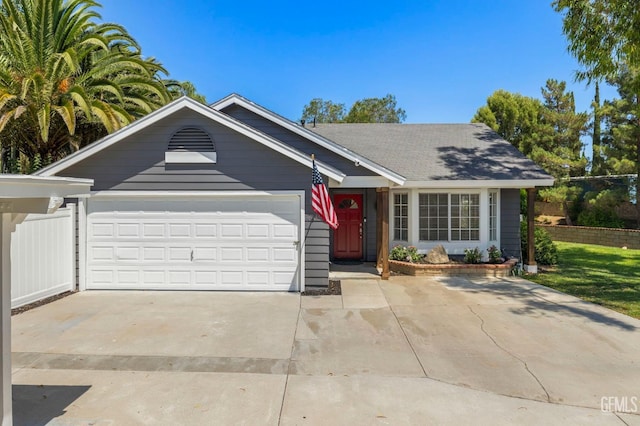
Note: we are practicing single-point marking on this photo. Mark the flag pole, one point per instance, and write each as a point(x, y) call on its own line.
point(313, 157)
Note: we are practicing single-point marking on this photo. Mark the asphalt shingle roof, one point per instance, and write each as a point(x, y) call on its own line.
point(422, 152)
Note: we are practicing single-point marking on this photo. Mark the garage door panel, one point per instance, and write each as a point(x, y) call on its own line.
point(226, 244)
point(205, 230)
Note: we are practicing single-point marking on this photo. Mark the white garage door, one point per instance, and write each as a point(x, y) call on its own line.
point(219, 243)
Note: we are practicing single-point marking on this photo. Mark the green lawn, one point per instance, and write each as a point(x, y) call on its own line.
point(608, 276)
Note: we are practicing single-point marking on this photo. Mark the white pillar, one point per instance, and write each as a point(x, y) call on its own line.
point(5, 312)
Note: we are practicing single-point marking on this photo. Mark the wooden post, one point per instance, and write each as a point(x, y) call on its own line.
point(378, 229)
point(531, 266)
point(383, 210)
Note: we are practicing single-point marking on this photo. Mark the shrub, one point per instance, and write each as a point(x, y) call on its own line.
point(405, 254)
point(472, 255)
point(600, 218)
point(600, 209)
point(546, 250)
point(495, 255)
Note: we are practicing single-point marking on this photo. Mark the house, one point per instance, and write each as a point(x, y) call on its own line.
point(218, 197)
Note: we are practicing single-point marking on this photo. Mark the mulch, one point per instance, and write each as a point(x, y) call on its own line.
point(333, 289)
point(25, 308)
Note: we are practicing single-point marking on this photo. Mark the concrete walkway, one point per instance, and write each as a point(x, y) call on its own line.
point(405, 351)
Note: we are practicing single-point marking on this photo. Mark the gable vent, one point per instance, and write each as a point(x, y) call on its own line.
point(191, 145)
point(191, 139)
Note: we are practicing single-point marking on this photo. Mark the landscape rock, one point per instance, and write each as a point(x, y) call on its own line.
point(437, 255)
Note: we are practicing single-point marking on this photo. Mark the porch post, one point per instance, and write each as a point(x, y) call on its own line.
point(531, 266)
point(383, 231)
point(378, 229)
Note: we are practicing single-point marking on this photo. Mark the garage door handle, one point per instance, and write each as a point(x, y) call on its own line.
point(192, 255)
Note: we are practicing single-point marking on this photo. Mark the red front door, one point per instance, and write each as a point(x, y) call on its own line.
point(347, 239)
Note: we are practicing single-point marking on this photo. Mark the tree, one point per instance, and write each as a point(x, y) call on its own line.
point(603, 36)
point(323, 111)
point(61, 72)
point(597, 160)
point(558, 147)
point(368, 110)
point(185, 88)
point(548, 132)
point(513, 116)
point(621, 127)
point(376, 110)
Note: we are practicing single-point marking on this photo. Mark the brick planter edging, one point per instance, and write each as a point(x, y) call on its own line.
point(453, 269)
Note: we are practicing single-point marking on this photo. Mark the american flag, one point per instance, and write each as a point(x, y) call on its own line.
point(320, 200)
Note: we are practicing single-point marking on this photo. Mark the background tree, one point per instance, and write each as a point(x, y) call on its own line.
point(323, 111)
point(597, 160)
point(558, 147)
point(65, 79)
point(514, 117)
point(548, 132)
point(621, 118)
point(376, 110)
point(603, 36)
point(368, 110)
point(185, 88)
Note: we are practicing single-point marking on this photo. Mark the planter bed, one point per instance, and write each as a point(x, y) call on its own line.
point(454, 269)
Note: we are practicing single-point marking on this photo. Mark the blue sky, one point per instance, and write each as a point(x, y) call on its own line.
point(441, 59)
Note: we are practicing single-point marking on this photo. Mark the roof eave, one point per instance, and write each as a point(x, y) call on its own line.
point(185, 102)
point(479, 183)
point(310, 135)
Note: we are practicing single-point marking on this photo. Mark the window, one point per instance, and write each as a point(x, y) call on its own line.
point(465, 217)
point(493, 215)
point(401, 217)
point(434, 217)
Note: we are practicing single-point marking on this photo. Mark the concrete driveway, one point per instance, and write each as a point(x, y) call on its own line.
point(405, 351)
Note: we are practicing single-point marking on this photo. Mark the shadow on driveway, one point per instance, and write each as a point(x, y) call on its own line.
point(539, 299)
point(38, 405)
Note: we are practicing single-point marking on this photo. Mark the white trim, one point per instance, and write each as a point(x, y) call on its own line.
point(190, 157)
point(74, 210)
point(101, 195)
point(29, 186)
point(308, 134)
point(191, 194)
point(392, 217)
point(452, 246)
point(82, 245)
point(498, 233)
point(5, 313)
point(466, 184)
point(302, 244)
point(187, 103)
point(361, 182)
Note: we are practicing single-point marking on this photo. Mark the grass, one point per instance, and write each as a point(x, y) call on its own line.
point(607, 276)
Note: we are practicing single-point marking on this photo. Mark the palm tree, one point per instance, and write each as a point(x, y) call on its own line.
point(61, 72)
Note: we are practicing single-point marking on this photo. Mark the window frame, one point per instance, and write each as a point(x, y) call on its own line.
point(495, 194)
point(449, 193)
point(399, 229)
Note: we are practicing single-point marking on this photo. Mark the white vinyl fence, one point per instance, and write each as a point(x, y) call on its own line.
point(43, 256)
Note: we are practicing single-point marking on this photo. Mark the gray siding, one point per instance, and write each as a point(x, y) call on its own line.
point(510, 221)
point(370, 226)
point(137, 164)
point(296, 141)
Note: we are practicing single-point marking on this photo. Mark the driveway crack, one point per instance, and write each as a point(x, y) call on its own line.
point(293, 348)
point(505, 350)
